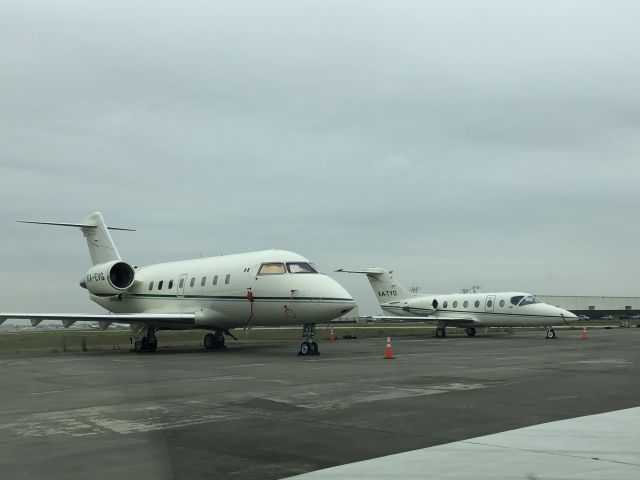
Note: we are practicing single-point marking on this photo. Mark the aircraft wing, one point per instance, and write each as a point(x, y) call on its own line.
point(68, 319)
point(461, 321)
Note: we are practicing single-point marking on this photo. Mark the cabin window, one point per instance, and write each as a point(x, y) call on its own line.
point(170, 284)
point(203, 281)
point(489, 303)
point(300, 267)
point(227, 279)
point(455, 304)
point(465, 304)
point(445, 304)
point(160, 284)
point(502, 303)
point(515, 300)
point(215, 279)
point(150, 286)
point(477, 303)
point(193, 282)
point(181, 284)
point(271, 269)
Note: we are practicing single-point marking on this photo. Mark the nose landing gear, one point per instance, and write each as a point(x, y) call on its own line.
point(308, 347)
point(551, 333)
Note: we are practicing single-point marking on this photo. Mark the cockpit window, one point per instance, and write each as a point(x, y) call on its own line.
point(529, 300)
point(271, 269)
point(300, 267)
point(515, 300)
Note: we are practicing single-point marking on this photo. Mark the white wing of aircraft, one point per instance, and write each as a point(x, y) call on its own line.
point(265, 288)
point(468, 311)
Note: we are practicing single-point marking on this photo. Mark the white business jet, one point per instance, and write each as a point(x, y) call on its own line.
point(267, 288)
point(468, 311)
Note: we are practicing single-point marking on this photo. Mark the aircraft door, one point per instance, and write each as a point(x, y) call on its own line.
point(490, 303)
point(181, 283)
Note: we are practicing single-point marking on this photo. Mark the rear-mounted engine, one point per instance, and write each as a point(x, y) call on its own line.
point(109, 278)
point(421, 306)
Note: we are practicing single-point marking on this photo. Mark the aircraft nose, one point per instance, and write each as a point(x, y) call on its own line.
point(567, 315)
point(339, 297)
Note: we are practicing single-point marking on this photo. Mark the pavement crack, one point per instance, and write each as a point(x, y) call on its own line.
point(546, 452)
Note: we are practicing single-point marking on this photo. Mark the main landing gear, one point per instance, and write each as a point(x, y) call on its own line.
point(147, 342)
point(441, 332)
point(215, 340)
point(308, 347)
point(551, 333)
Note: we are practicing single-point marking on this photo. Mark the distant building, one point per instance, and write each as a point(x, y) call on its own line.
point(596, 307)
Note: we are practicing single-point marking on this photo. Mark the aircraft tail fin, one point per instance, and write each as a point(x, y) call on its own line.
point(383, 284)
point(101, 246)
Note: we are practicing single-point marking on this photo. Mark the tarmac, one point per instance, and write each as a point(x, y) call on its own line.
point(260, 411)
point(594, 447)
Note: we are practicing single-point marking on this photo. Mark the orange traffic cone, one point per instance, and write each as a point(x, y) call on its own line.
point(332, 337)
point(584, 335)
point(388, 353)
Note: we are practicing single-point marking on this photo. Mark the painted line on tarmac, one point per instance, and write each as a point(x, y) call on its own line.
point(246, 365)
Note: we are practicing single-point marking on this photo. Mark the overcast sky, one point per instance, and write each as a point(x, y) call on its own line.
point(457, 142)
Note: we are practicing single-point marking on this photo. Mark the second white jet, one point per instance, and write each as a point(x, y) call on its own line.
point(468, 311)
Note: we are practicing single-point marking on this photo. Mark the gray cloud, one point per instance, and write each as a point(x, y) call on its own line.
point(457, 143)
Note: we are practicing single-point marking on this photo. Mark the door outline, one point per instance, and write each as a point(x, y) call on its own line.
point(492, 299)
point(181, 284)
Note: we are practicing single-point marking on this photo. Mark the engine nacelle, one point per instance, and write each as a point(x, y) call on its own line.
point(109, 278)
point(421, 305)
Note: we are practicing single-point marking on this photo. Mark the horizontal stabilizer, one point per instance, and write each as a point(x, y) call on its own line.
point(96, 233)
point(79, 225)
point(368, 271)
point(383, 284)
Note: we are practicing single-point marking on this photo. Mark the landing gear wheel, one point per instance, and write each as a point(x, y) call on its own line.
point(305, 348)
point(145, 343)
point(471, 332)
point(219, 339)
point(441, 332)
point(308, 346)
point(209, 341)
point(151, 343)
point(551, 333)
